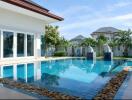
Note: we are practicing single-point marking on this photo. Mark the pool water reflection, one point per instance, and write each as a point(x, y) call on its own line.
point(78, 77)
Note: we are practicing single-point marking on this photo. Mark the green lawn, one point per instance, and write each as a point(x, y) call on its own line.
point(116, 57)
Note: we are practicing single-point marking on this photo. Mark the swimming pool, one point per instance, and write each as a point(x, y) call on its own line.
point(78, 77)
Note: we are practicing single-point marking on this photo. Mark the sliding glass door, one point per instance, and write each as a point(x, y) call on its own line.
point(7, 44)
point(20, 45)
point(30, 45)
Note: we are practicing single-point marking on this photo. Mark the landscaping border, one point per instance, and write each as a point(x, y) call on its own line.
point(38, 90)
point(111, 88)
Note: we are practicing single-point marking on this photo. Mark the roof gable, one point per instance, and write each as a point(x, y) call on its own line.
point(78, 38)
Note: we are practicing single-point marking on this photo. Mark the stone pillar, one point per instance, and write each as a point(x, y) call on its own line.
point(91, 55)
point(108, 54)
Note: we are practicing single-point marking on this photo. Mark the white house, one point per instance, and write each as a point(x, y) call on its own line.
point(76, 49)
point(22, 22)
point(108, 32)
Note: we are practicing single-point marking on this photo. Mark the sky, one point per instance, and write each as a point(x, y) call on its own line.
point(82, 17)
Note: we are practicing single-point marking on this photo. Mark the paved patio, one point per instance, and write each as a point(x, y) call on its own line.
point(125, 91)
point(6, 93)
point(128, 91)
point(10, 61)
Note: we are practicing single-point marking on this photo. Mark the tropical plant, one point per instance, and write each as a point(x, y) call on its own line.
point(51, 36)
point(59, 54)
point(89, 42)
point(123, 38)
point(62, 44)
point(101, 40)
point(112, 44)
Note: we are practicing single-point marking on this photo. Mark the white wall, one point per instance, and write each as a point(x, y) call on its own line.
point(37, 45)
point(21, 23)
point(15, 21)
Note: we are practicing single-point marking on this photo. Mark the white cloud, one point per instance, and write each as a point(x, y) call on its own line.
point(124, 17)
point(118, 5)
point(124, 21)
point(75, 10)
point(84, 19)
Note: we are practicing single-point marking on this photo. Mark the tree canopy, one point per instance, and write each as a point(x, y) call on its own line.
point(51, 35)
point(89, 42)
point(123, 38)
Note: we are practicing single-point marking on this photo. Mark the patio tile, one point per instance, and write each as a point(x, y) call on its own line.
point(6, 93)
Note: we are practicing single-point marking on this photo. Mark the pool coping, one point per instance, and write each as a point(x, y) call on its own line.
point(5, 62)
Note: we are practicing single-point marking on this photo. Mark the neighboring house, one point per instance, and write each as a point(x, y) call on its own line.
point(108, 32)
point(22, 22)
point(76, 49)
point(77, 40)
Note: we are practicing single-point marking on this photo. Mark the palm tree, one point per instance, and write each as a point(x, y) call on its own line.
point(63, 43)
point(89, 42)
point(112, 44)
point(101, 40)
point(123, 38)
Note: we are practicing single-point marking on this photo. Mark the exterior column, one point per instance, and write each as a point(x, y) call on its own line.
point(1, 48)
point(37, 45)
point(15, 45)
point(25, 45)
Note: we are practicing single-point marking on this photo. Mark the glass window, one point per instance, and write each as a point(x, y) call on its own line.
point(20, 45)
point(30, 45)
point(8, 44)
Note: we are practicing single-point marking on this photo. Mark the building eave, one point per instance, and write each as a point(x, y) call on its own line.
point(28, 6)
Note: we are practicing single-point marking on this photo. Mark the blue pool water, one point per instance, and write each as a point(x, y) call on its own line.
point(78, 77)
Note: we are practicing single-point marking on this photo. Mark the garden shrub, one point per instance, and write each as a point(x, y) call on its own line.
point(59, 54)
